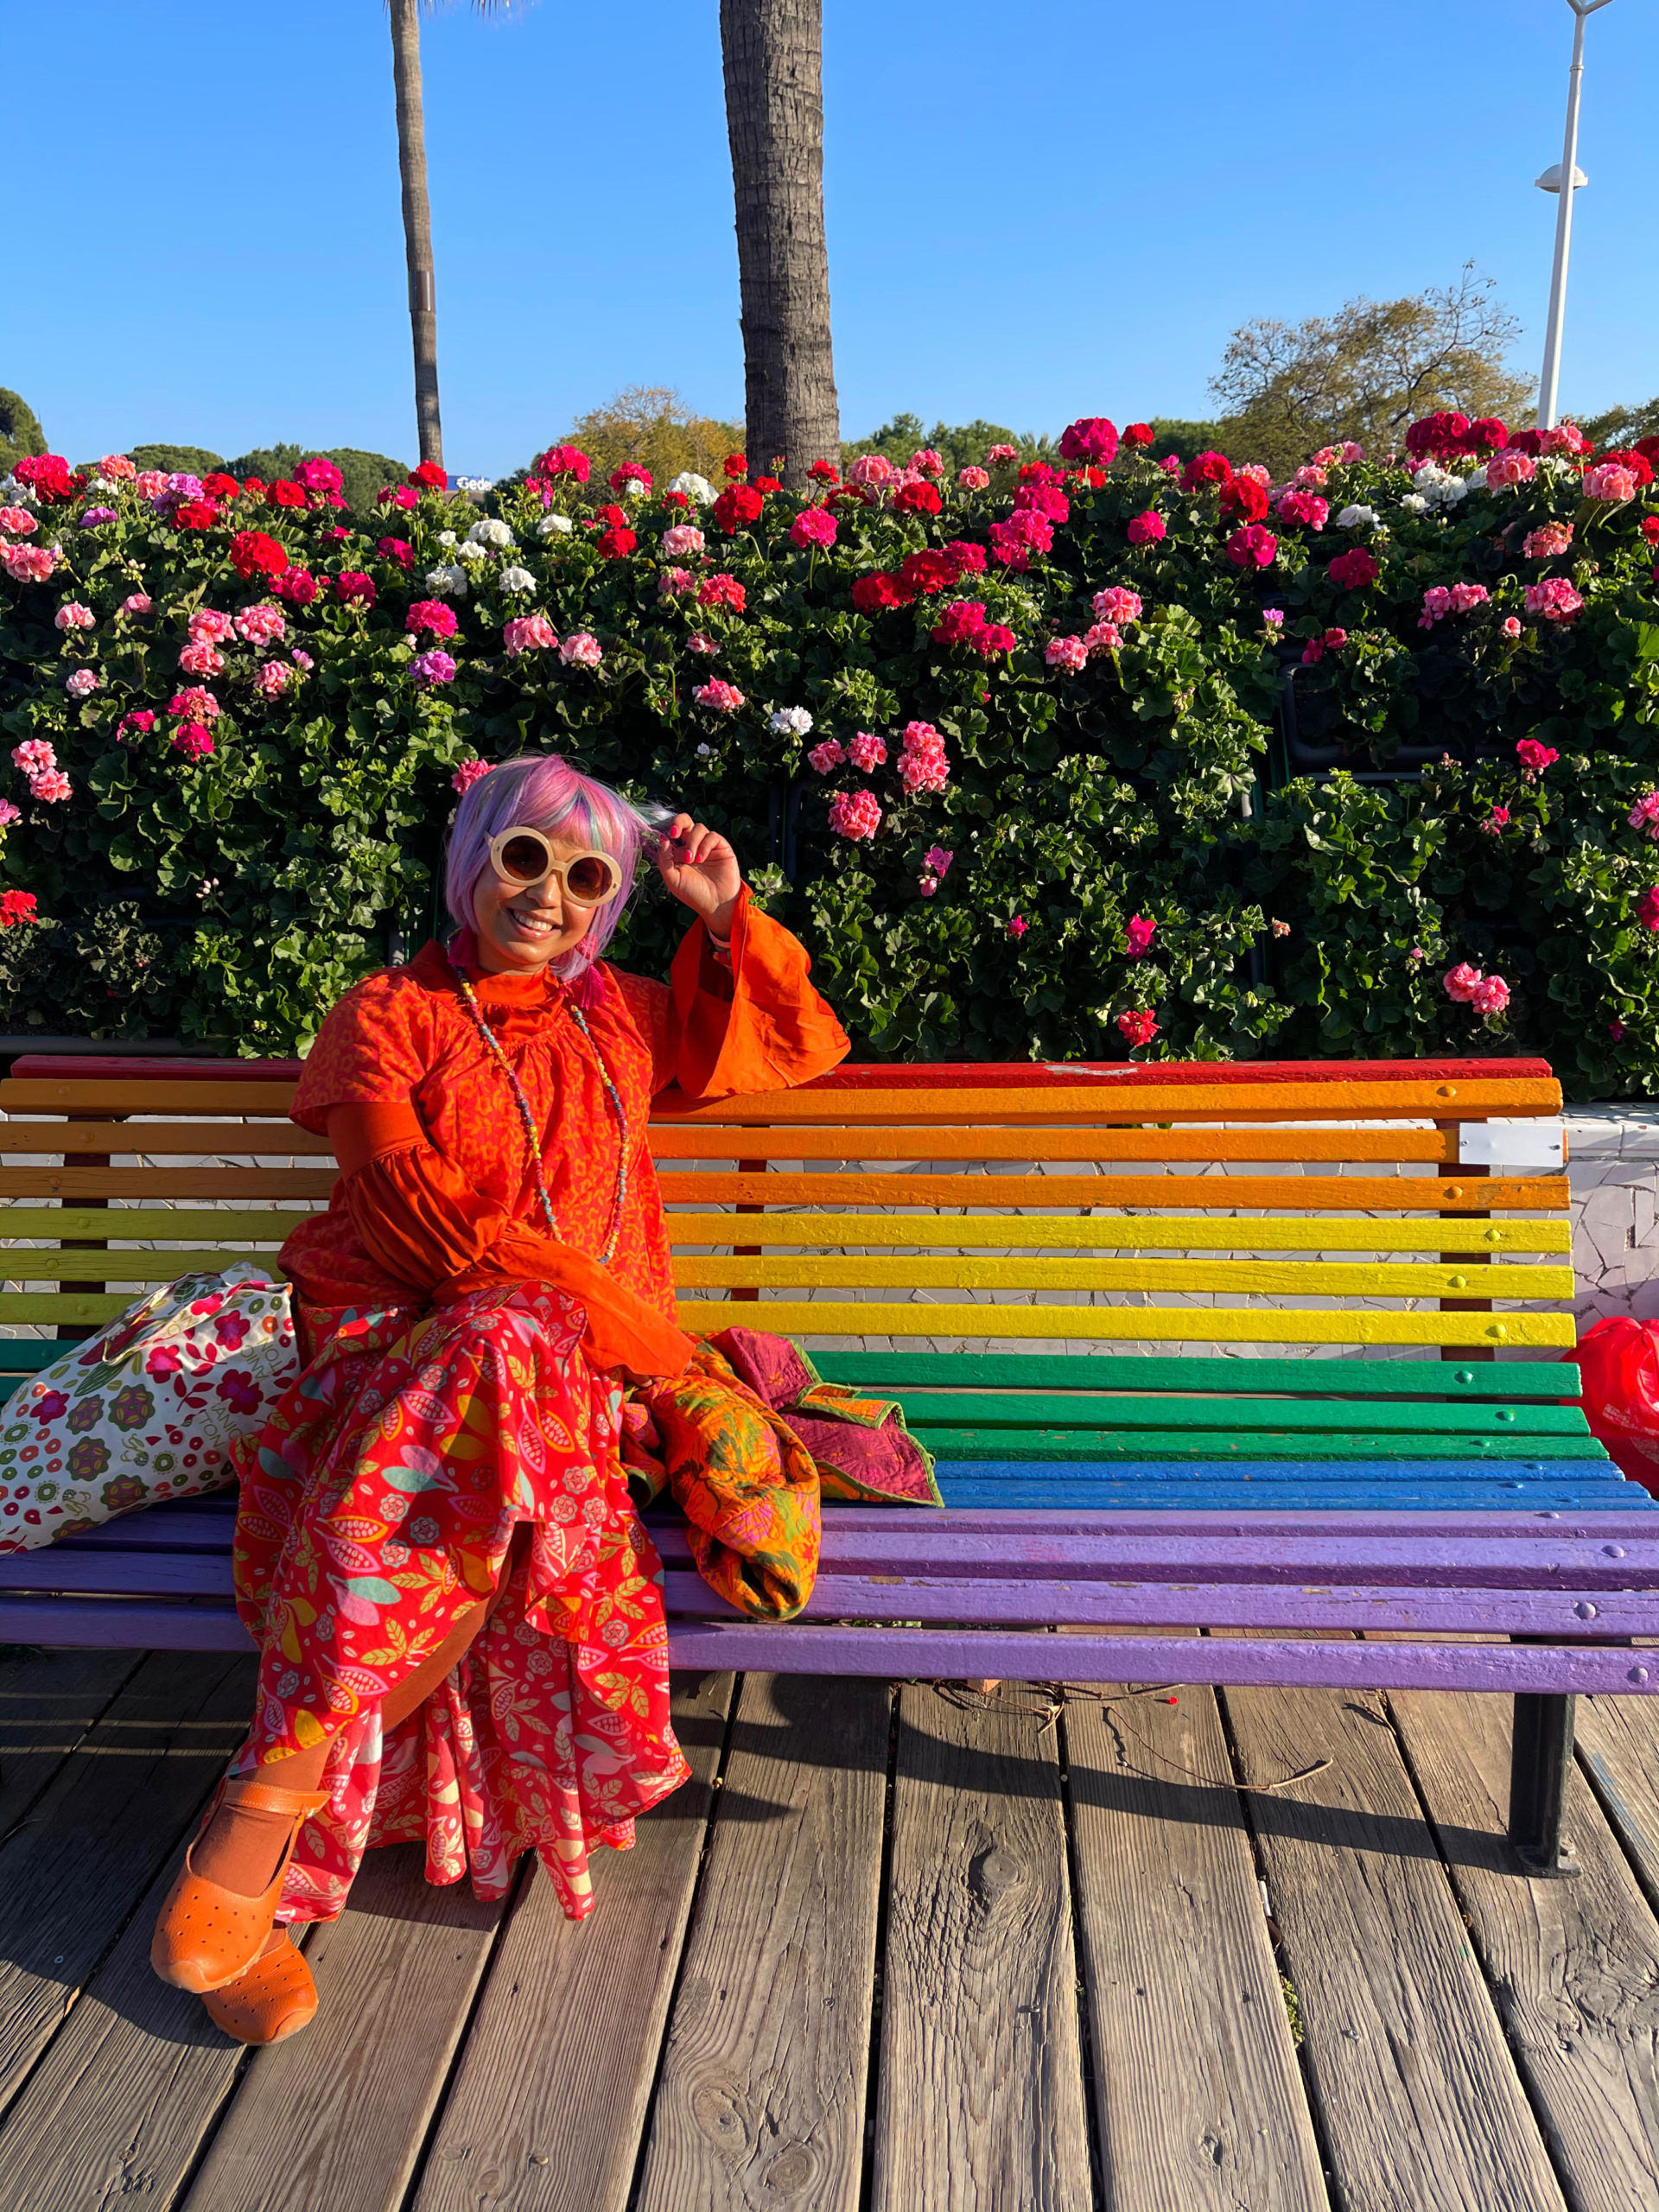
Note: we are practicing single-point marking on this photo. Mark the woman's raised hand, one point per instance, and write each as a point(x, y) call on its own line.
point(700, 869)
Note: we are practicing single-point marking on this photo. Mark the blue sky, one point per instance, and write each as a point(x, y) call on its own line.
point(1037, 210)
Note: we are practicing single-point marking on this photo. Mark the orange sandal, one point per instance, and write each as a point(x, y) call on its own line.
point(207, 1936)
point(276, 1998)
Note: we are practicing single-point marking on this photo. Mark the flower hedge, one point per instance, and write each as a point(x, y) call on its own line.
point(999, 746)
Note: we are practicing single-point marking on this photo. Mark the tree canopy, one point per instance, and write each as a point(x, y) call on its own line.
point(21, 434)
point(1366, 372)
point(651, 425)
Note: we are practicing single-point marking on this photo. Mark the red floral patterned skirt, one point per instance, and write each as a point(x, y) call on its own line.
point(378, 1502)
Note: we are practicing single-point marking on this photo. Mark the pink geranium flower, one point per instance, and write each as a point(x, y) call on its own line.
point(1553, 599)
point(1147, 529)
point(529, 633)
point(1548, 542)
point(1139, 1024)
point(1460, 983)
point(1017, 926)
point(1139, 932)
point(1069, 653)
point(719, 696)
point(865, 753)
point(683, 540)
point(1533, 757)
point(72, 615)
point(1117, 604)
point(194, 741)
point(972, 479)
point(582, 650)
point(467, 774)
point(813, 526)
point(434, 666)
point(854, 814)
point(827, 756)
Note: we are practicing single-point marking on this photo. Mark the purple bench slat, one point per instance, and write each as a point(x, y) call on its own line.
point(975, 1654)
point(104, 1625)
point(1430, 1612)
point(127, 1574)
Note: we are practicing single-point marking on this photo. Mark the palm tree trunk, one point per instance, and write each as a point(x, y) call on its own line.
point(417, 222)
point(773, 51)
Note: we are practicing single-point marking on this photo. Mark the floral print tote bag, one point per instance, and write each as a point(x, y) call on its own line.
point(147, 1409)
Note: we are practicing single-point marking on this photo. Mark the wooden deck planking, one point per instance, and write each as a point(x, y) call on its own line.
point(1418, 2096)
point(549, 2102)
point(1197, 2094)
point(761, 2099)
point(1619, 1748)
point(128, 2092)
point(72, 1875)
point(334, 2120)
point(1573, 1965)
point(48, 1702)
point(982, 2101)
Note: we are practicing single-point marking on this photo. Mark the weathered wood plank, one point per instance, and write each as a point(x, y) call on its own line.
point(1418, 2096)
point(127, 2091)
point(1618, 1745)
point(981, 2097)
point(549, 2105)
point(333, 2119)
point(1573, 1965)
point(72, 1874)
point(48, 1701)
point(1197, 2094)
point(761, 2100)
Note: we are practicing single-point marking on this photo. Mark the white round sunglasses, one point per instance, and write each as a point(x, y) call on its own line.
point(525, 856)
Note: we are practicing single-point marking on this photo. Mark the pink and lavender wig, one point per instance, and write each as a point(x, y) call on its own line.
point(544, 791)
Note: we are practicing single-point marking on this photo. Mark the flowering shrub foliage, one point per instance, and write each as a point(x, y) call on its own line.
point(1033, 820)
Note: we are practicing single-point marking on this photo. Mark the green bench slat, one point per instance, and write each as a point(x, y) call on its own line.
point(958, 1409)
point(888, 1372)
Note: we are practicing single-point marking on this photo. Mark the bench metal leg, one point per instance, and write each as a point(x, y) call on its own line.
point(1539, 1763)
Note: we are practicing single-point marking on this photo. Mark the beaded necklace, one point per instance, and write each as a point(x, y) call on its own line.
point(532, 1138)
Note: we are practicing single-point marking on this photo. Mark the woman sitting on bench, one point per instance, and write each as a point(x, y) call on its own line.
point(459, 1615)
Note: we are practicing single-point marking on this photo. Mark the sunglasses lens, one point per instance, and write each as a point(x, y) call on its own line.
point(524, 859)
point(589, 878)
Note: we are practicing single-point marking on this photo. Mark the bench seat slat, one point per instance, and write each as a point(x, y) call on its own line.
point(275, 1140)
point(1253, 1278)
point(1082, 1447)
point(686, 1141)
point(1149, 1101)
point(854, 1186)
point(1218, 1323)
point(1011, 1410)
point(895, 1372)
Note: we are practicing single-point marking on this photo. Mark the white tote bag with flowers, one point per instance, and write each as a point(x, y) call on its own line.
point(146, 1410)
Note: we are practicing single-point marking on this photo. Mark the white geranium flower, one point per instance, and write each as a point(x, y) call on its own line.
point(789, 721)
point(694, 487)
point(490, 531)
point(705, 752)
point(555, 522)
point(1475, 481)
point(517, 580)
point(1414, 504)
point(452, 580)
point(470, 550)
point(448, 537)
point(1356, 518)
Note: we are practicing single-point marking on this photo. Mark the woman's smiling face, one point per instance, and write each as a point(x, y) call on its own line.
point(521, 926)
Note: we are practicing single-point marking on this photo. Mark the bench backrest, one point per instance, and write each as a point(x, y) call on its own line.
point(1336, 1204)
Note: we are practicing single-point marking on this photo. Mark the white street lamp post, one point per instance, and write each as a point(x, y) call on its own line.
point(1565, 181)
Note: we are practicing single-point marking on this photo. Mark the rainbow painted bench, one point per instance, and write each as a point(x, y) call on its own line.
point(1257, 1350)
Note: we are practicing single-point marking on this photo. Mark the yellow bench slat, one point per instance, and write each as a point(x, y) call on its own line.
point(1011, 1231)
point(1220, 1325)
point(1255, 1278)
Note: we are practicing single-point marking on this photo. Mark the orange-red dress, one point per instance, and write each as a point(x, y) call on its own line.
point(447, 1405)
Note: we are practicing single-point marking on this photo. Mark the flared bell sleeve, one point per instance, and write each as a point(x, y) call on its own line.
point(419, 1219)
point(755, 1025)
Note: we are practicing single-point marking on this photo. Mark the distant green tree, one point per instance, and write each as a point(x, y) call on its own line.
point(1623, 426)
point(177, 460)
point(362, 475)
point(1173, 434)
point(268, 463)
point(1366, 372)
point(957, 444)
point(21, 434)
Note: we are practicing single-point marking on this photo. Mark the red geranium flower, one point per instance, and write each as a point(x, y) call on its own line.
point(736, 466)
point(15, 906)
point(825, 472)
point(1633, 458)
point(195, 514)
point(1137, 434)
point(878, 589)
point(918, 499)
point(284, 493)
point(1354, 571)
point(354, 588)
point(253, 554)
point(221, 486)
point(1243, 497)
point(928, 572)
point(431, 473)
point(1206, 468)
point(767, 484)
point(613, 543)
point(738, 504)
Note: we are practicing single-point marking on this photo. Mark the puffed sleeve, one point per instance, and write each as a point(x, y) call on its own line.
point(372, 1049)
point(756, 1025)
